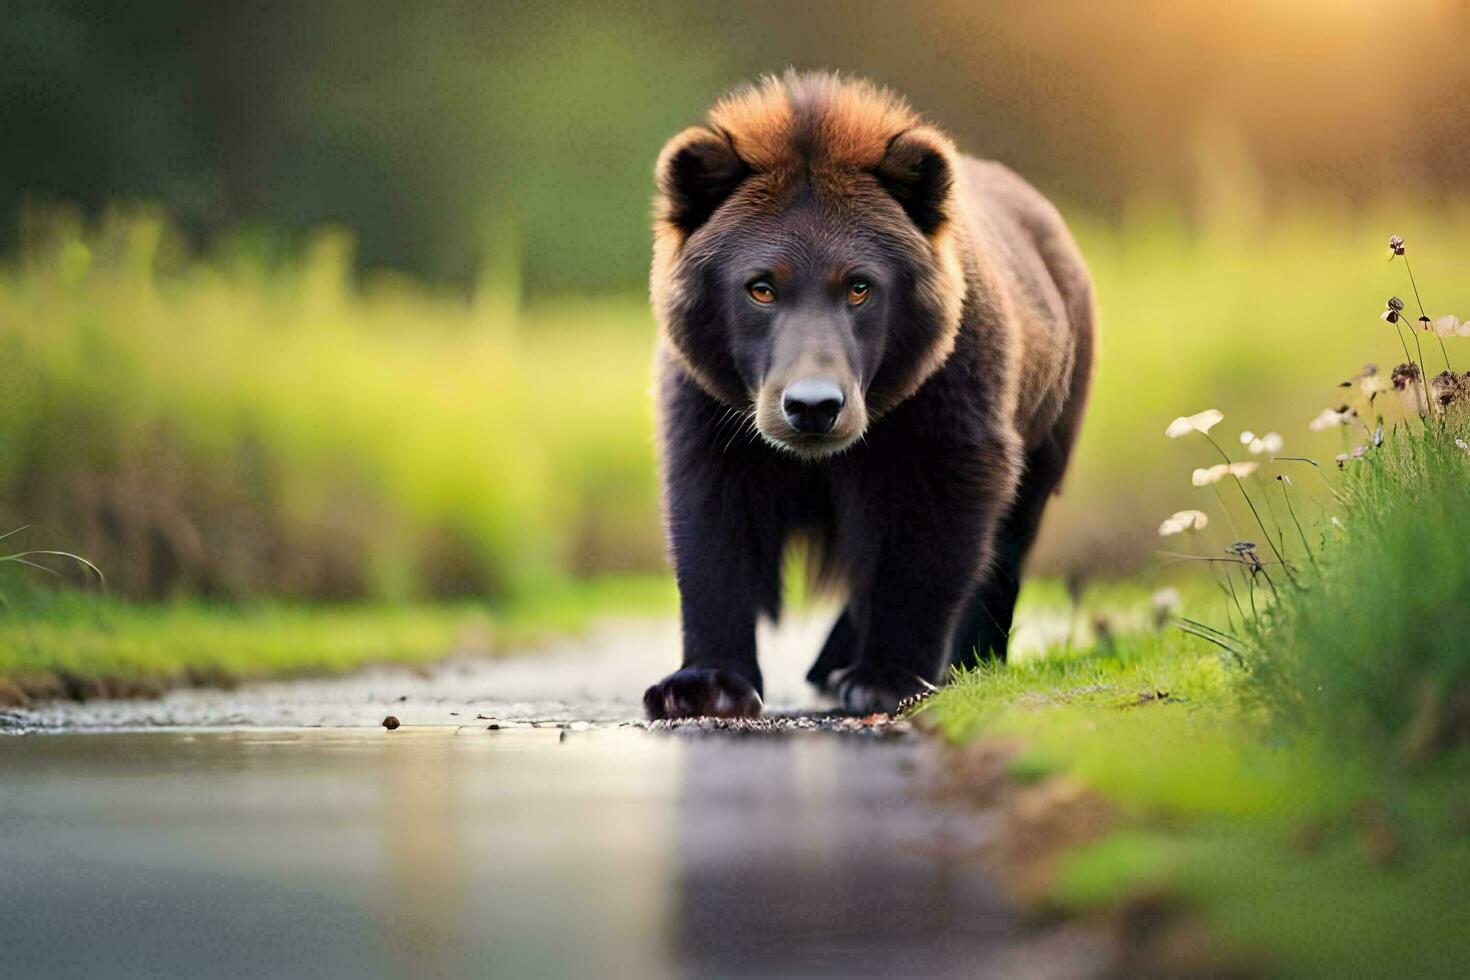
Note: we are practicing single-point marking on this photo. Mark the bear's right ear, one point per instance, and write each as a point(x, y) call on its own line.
point(696, 172)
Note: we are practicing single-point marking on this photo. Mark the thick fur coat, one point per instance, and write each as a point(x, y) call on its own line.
point(871, 342)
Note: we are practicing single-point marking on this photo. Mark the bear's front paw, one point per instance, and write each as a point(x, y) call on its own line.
point(865, 689)
point(702, 692)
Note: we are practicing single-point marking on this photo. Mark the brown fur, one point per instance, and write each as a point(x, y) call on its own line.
point(989, 356)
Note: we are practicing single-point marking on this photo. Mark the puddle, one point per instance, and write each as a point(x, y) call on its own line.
point(280, 830)
point(523, 852)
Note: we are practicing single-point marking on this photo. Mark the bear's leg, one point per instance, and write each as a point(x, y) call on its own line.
point(985, 627)
point(932, 536)
point(724, 580)
point(727, 524)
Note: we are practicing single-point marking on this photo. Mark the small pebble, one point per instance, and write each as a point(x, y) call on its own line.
point(494, 728)
point(390, 723)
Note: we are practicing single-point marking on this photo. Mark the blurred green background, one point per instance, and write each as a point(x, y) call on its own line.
point(347, 300)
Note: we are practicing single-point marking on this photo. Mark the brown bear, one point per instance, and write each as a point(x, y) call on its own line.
point(874, 343)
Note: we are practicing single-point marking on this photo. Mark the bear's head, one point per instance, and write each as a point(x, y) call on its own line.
point(806, 265)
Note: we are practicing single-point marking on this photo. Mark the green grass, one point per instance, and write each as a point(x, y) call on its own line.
point(91, 644)
point(1309, 799)
point(1216, 811)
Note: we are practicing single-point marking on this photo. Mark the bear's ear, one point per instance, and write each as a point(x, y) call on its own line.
point(918, 172)
point(696, 172)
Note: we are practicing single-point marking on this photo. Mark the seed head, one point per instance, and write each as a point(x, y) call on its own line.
point(1395, 245)
point(1450, 388)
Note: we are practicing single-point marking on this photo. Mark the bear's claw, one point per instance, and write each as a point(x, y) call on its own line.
point(702, 692)
point(864, 690)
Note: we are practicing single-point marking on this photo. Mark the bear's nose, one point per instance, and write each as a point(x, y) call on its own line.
point(811, 405)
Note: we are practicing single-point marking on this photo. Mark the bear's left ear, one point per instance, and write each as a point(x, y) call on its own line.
point(918, 171)
point(696, 172)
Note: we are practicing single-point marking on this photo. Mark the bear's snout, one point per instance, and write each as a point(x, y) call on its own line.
point(811, 405)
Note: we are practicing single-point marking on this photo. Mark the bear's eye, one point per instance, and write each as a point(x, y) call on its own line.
point(857, 292)
point(762, 292)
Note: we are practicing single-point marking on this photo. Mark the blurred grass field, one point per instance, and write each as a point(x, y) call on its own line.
point(260, 422)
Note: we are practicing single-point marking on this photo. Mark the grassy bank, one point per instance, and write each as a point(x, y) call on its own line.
point(75, 645)
point(1294, 857)
point(1282, 783)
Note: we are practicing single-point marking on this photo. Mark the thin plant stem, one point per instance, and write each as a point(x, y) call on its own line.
point(1239, 483)
point(1280, 529)
point(1234, 596)
point(1177, 556)
point(1266, 575)
point(23, 558)
point(1292, 511)
point(1410, 269)
point(1410, 357)
point(1336, 494)
point(1234, 653)
point(1206, 626)
point(1423, 379)
point(1215, 487)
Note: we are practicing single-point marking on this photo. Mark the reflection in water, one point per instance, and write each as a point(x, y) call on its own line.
point(435, 852)
point(812, 855)
point(424, 912)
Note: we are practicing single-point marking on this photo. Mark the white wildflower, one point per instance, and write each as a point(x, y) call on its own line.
point(1185, 424)
point(1204, 477)
point(1166, 603)
point(1242, 470)
point(1271, 443)
point(1218, 472)
point(1184, 520)
point(1447, 325)
point(1329, 419)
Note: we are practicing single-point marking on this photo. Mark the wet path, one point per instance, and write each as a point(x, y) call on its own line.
point(561, 843)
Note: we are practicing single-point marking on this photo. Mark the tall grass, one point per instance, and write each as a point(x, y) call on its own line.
point(240, 427)
point(1358, 632)
point(265, 421)
point(1372, 648)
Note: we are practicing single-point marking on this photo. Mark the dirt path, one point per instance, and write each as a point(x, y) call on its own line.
point(594, 680)
point(520, 822)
